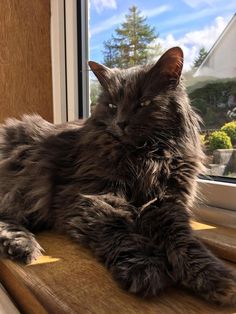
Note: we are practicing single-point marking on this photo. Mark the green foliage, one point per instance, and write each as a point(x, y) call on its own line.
point(203, 139)
point(211, 101)
point(230, 130)
point(94, 92)
point(154, 51)
point(219, 140)
point(129, 45)
point(111, 53)
point(201, 56)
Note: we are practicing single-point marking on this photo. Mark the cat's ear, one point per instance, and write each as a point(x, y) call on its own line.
point(169, 67)
point(102, 73)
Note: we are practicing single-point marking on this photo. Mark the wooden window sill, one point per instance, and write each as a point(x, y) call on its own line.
point(221, 240)
point(69, 280)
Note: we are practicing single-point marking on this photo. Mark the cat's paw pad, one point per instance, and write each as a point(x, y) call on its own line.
point(22, 249)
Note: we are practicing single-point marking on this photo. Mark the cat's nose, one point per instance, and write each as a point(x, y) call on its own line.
point(122, 125)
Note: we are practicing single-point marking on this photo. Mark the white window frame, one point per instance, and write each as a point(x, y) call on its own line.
point(58, 61)
point(217, 204)
point(84, 17)
point(219, 198)
point(71, 60)
point(218, 194)
point(64, 56)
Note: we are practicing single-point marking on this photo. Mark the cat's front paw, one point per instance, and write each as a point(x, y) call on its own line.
point(212, 281)
point(144, 276)
point(23, 249)
point(221, 291)
point(228, 296)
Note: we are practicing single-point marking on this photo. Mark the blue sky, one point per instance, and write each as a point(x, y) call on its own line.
point(190, 24)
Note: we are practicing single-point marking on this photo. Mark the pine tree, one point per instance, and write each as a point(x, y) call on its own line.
point(129, 45)
point(110, 53)
point(201, 56)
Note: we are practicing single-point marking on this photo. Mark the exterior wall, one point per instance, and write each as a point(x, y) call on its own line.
point(221, 63)
point(25, 58)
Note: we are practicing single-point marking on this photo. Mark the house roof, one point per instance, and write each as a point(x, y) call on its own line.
point(211, 51)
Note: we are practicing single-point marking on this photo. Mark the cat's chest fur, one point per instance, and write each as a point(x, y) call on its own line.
point(145, 178)
point(114, 168)
point(97, 164)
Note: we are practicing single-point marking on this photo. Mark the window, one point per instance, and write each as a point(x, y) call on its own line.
point(205, 30)
point(131, 33)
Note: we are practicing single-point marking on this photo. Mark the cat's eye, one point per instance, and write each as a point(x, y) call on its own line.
point(145, 103)
point(112, 106)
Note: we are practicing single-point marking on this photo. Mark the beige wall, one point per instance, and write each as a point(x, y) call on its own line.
point(25, 60)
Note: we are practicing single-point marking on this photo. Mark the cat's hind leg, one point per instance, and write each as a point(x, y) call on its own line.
point(18, 243)
point(135, 262)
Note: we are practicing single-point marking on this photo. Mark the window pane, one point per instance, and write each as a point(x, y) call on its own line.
point(128, 33)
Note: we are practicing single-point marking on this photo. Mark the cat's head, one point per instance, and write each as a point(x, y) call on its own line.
point(145, 103)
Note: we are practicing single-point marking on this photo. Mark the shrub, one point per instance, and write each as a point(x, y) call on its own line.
point(230, 130)
point(202, 139)
point(219, 140)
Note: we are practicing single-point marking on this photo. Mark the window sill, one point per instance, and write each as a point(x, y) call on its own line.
point(218, 194)
point(220, 240)
point(214, 215)
point(70, 280)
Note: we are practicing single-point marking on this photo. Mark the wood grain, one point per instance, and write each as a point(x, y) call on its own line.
point(6, 304)
point(221, 240)
point(70, 280)
point(22, 296)
point(25, 58)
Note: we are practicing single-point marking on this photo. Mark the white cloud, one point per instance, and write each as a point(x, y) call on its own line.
point(196, 3)
point(107, 24)
point(183, 19)
point(117, 19)
point(100, 5)
point(156, 11)
point(191, 42)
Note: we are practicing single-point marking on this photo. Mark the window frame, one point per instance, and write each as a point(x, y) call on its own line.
point(69, 55)
point(58, 61)
point(218, 194)
point(217, 203)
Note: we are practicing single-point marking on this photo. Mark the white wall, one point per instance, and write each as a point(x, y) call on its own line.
point(221, 63)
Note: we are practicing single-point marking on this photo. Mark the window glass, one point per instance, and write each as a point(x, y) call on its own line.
point(128, 33)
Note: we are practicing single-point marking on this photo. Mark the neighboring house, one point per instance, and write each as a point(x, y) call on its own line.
point(220, 62)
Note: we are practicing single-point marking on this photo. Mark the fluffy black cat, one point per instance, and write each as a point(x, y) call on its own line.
point(122, 184)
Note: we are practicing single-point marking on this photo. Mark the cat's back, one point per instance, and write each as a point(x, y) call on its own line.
point(31, 151)
point(28, 131)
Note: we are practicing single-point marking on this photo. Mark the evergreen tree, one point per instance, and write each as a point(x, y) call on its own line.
point(201, 56)
point(110, 53)
point(129, 45)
